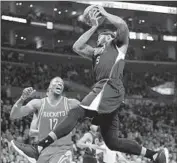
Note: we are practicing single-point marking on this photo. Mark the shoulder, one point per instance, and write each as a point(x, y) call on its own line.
point(73, 103)
point(36, 103)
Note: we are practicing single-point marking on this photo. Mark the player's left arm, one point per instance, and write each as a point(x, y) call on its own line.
point(122, 36)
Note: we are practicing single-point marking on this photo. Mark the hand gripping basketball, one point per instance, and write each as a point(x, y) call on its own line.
point(92, 15)
point(27, 92)
point(94, 18)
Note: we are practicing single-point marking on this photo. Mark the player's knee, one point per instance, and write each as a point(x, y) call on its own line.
point(113, 142)
point(110, 144)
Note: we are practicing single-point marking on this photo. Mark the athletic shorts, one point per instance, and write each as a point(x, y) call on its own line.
point(60, 157)
point(105, 97)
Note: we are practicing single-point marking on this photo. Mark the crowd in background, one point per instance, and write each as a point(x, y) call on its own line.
point(30, 74)
point(152, 125)
point(145, 130)
point(153, 55)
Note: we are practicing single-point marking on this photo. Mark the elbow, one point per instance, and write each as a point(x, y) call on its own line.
point(75, 48)
point(12, 116)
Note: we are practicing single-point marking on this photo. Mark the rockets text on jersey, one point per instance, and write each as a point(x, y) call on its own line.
point(51, 115)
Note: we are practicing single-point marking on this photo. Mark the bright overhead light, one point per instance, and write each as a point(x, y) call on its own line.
point(58, 41)
point(80, 18)
point(22, 38)
point(74, 13)
point(13, 19)
point(59, 12)
point(55, 9)
point(133, 6)
point(170, 38)
point(144, 47)
point(20, 3)
point(31, 5)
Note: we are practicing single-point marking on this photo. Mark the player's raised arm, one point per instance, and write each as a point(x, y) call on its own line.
point(80, 46)
point(18, 110)
point(122, 36)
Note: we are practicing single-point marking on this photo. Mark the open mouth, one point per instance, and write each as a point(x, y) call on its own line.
point(58, 89)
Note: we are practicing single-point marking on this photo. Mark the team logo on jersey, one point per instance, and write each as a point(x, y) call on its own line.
point(55, 114)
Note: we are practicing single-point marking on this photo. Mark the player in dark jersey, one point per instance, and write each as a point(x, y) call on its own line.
point(105, 99)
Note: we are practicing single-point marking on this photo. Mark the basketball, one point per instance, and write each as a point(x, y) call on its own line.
point(86, 15)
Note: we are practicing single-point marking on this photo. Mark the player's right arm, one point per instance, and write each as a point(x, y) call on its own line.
point(80, 46)
point(18, 110)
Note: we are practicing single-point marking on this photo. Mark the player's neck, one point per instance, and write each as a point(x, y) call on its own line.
point(53, 99)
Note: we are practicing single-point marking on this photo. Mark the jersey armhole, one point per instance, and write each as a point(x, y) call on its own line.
point(122, 55)
point(40, 110)
point(66, 104)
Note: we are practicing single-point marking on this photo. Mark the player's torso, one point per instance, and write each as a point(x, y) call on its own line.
point(109, 65)
point(103, 63)
point(51, 115)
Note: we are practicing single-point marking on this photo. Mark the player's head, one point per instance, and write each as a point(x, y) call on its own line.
point(56, 86)
point(105, 37)
point(94, 128)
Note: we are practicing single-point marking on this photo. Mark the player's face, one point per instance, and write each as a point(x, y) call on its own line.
point(57, 85)
point(97, 141)
point(103, 39)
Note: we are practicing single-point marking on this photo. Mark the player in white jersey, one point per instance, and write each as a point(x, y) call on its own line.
point(110, 156)
point(48, 112)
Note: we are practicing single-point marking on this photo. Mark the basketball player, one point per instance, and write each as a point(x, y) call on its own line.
point(110, 156)
point(49, 111)
point(89, 143)
point(106, 98)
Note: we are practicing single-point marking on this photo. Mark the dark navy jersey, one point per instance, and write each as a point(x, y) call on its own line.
point(105, 65)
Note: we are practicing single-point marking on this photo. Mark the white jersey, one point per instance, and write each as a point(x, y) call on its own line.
point(110, 156)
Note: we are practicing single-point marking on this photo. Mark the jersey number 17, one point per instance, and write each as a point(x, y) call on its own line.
point(53, 123)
